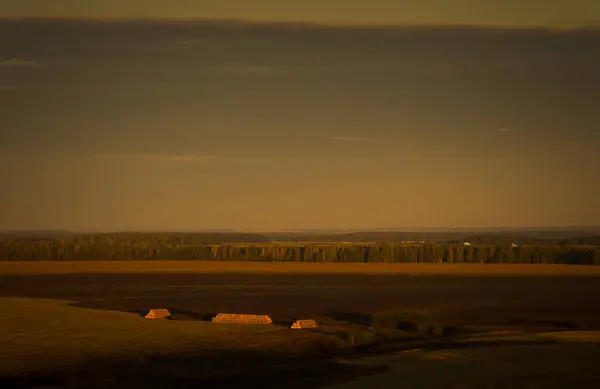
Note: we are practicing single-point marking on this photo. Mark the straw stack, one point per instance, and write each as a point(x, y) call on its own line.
point(235, 318)
point(304, 324)
point(158, 314)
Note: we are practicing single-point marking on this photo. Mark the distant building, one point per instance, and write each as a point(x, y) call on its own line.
point(467, 243)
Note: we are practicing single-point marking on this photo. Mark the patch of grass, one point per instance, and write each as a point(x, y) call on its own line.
point(359, 337)
point(547, 366)
point(223, 367)
point(183, 266)
point(50, 342)
point(417, 322)
point(40, 333)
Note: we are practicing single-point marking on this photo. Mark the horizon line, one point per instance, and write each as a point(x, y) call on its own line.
point(571, 227)
point(553, 26)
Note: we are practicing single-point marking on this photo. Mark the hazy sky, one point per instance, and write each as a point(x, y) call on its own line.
point(114, 126)
point(503, 12)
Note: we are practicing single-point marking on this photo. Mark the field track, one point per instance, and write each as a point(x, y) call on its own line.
point(459, 293)
point(120, 267)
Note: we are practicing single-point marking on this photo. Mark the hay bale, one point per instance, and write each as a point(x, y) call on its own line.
point(237, 318)
point(158, 314)
point(310, 323)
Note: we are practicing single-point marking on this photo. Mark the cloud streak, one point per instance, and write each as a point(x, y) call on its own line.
point(17, 63)
point(263, 69)
point(353, 139)
point(156, 157)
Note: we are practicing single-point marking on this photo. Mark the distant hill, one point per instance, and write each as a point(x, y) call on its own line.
point(559, 235)
point(35, 234)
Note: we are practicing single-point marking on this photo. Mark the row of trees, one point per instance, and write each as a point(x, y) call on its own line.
point(293, 252)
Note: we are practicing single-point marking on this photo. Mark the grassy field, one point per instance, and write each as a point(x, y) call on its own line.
point(78, 325)
point(47, 342)
point(54, 267)
point(558, 365)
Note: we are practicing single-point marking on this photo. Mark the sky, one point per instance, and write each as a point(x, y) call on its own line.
point(494, 12)
point(145, 126)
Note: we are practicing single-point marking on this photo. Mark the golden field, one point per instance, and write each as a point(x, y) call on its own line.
point(73, 267)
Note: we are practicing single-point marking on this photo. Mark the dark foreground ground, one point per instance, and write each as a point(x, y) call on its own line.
point(568, 301)
point(49, 343)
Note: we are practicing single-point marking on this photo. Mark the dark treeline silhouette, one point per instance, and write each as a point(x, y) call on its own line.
point(178, 247)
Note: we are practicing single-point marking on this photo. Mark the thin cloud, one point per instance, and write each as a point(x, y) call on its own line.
point(253, 69)
point(353, 139)
point(263, 69)
point(575, 23)
point(157, 157)
point(194, 42)
point(17, 62)
point(258, 69)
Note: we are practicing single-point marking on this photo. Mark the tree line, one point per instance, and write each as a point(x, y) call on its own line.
point(298, 252)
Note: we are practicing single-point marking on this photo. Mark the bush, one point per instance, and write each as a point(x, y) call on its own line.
point(418, 322)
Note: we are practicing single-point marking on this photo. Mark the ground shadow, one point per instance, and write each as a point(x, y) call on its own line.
point(222, 367)
point(32, 381)
point(284, 322)
point(176, 314)
point(188, 315)
point(180, 314)
point(392, 346)
point(544, 325)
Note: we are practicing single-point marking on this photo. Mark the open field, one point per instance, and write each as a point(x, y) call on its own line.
point(49, 334)
point(557, 365)
point(47, 343)
point(458, 293)
point(116, 267)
